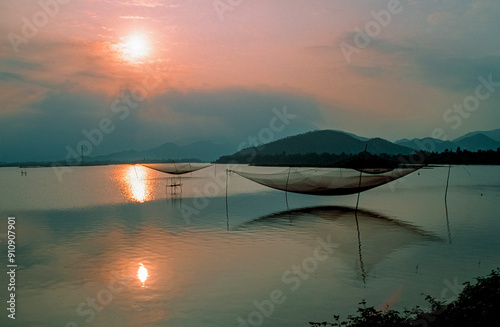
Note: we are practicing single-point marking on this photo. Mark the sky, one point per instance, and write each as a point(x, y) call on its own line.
point(134, 74)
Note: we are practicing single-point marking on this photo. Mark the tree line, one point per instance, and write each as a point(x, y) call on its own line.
point(363, 159)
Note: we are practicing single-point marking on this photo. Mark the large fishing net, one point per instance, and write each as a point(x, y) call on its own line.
point(324, 181)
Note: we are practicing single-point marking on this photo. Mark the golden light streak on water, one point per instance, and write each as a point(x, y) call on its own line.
point(138, 188)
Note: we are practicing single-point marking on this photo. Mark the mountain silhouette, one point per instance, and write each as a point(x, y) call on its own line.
point(473, 141)
point(319, 141)
point(197, 151)
point(478, 142)
point(493, 134)
point(327, 141)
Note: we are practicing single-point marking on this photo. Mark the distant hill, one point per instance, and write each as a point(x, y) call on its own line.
point(202, 151)
point(361, 138)
point(379, 146)
point(324, 141)
point(493, 134)
point(428, 144)
point(474, 142)
point(478, 142)
point(320, 141)
point(332, 142)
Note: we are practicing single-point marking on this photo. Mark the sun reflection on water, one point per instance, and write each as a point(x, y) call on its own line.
point(138, 188)
point(142, 273)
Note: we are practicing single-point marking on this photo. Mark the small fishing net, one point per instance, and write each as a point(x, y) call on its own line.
point(177, 168)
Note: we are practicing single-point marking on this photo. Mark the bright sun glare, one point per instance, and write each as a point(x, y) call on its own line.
point(138, 189)
point(135, 47)
point(142, 273)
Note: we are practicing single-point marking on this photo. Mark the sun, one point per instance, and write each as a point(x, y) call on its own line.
point(135, 47)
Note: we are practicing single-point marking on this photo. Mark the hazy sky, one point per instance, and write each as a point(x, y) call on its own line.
point(145, 72)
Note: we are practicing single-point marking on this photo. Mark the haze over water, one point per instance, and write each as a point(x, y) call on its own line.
point(153, 256)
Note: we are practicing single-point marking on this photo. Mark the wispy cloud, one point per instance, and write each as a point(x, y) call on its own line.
point(133, 17)
point(6, 77)
point(141, 3)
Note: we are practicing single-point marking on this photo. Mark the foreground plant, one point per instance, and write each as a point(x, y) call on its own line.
point(477, 305)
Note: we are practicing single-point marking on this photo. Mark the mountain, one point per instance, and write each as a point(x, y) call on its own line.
point(327, 141)
point(474, 142)
point(361, 138)
point(378, 146)
point(493, 134)
point(320, 141)
point(428, 144)
point(478, 142)
point(203, 151)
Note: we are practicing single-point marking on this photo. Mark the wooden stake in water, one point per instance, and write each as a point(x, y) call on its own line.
point(227, 210)
point(363, 273)
point(286, 189)
point(447, 182)
point(360, 175)
point(446, 203)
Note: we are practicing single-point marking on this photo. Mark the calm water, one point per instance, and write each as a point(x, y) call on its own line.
point(84, 246)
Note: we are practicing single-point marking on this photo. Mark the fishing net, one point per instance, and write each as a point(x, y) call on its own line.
point(177, 168)
point(324, 181)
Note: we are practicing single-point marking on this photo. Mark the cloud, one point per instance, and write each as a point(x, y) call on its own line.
point(450, 72)
point(457, 73)
point(222, 116)
point(47, 126)
point(140, 3)
point(440, 18)
point(133, 17)
point(369, 71)
point(429, 54)
point(6, 77)
point(17, 70)
point(20, 65)
point(227, 115)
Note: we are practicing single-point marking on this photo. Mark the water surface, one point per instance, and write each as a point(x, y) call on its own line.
point(82, 241)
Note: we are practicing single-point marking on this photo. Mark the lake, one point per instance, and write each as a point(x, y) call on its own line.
point(124, 245)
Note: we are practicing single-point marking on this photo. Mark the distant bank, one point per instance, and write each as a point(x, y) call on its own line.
point(363, 159)
point(319, 147)
point(35, 164)
point(358, 160)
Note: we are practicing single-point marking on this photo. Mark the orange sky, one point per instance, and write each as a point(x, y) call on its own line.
point(418, 61)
